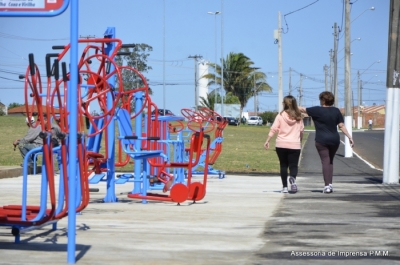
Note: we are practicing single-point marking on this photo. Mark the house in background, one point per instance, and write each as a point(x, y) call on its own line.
point(3, 108)
point(376, 113)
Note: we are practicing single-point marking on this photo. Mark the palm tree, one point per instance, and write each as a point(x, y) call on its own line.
point(241, 79)
point(208, 102)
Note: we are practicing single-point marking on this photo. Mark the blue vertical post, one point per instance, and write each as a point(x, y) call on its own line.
point(110, 195)
point(138, 188)
point(73, 129)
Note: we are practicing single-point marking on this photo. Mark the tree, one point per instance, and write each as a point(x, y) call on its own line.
point(231, 99)
point(138, 60)
point(14, 105)
point(209, 101)
point(268, 116)
point(241, 79)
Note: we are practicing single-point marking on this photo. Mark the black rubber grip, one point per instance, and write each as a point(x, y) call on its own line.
point(31, 64)
point(58, 47)
point(64, 71)
point(207, 136)
point(56, 68)
point(48, 67)
point(155, 138)
point(61, 135)
point(43, 135)
point(53, 54)
point(132, 45)
point(123, 53)
point(131, 137)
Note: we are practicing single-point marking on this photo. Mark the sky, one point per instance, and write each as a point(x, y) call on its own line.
point(178, 29)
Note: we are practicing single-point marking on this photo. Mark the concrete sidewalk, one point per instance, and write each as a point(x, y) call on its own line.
point(242, 220)
point(356, 224)
point(224, 228)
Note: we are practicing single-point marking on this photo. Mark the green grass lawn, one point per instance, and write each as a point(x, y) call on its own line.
point(243, 151)
point(242, 148)
point(11, 128)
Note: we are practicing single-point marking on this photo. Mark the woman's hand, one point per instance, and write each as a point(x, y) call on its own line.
point(351, 142)
point(266, 145)
point(302, 109)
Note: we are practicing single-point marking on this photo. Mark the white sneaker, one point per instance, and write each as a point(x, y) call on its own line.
point(293, 185)
point(327, 189)
point(330, 186)
point(285, 190)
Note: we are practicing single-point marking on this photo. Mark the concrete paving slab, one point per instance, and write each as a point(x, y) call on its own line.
point(224, 228)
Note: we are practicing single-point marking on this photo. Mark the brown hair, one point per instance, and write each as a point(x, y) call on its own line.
point(290, 107)
point(327, 98)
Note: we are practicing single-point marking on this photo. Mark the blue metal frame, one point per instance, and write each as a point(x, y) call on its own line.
point(73, 108)
point(110, 195)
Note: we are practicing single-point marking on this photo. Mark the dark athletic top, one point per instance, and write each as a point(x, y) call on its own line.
point(326, 120)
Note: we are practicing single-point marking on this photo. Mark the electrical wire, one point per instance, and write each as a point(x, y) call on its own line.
point(15, 37)
point(284, 16)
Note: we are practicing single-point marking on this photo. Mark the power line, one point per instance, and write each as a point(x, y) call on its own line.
point(284, 16)
point(15, 37)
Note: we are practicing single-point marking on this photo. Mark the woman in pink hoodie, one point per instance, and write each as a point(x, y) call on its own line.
point(289, 126)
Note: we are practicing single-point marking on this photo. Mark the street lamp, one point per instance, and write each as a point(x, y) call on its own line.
point(344, 57)
point(371, 66)
point(371, 8)
point(350, 43)
point(215, 61)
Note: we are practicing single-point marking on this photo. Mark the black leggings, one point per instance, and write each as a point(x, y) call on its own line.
point(288, 158)
point(327, 153)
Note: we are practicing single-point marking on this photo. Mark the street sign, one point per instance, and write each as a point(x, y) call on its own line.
point(32, 8)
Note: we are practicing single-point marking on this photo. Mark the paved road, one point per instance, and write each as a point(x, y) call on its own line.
point(369, 145)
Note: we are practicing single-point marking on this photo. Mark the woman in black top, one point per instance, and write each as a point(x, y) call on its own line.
point(327, 140)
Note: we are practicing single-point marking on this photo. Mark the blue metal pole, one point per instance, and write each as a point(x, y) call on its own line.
point(73, 110)
point(138, 188)
point(110, 195)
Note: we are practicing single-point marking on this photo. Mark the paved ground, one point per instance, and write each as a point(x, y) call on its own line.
point(243, 220)
point(357, 224)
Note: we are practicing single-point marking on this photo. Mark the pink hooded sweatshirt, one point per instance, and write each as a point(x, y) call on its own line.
point(288, 130)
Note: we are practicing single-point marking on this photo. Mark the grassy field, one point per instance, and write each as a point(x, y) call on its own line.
point(242, 148)
point(11, 128)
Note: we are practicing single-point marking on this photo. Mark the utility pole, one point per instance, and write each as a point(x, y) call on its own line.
point(359, 119)
point(301, 90)
point(348, 115)
point(196, 91)
point(361, 88)
point(254, 95)
point(391, 146)
point(335, 48)
point(331, 70)
point(222, 59)
point(215, 50)
point(326, 77)
point(290, 80)
point(280, 85)
point(164, 104)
